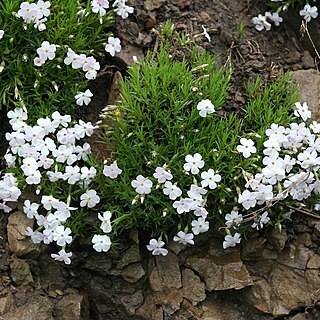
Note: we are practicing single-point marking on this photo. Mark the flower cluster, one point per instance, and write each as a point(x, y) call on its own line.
point(34, 150)
point(120, 7)
point(262, 22)
point(35, 13)
point(9, 191)
point(80, 61)
point(194, 202)
point(289, 172)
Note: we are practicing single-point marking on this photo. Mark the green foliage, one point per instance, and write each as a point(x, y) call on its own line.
point(157, 123)
point(52, 86)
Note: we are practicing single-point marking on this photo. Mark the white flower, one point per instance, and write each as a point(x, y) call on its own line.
point(193, 163)
point(113, 46)
point(196, 192)
point(233, 219)
point(47, 50)
point(302, 111)
point(260, 22)
point(123, 10)
point(112, 171)
point(247, 147)
point(199, 226)
point(210, 178)
point(172, 190)
point(261, 221)
point(184, 238)
point(100, 6)
point(309, 12)
point(106, 224)
point(162, 175)
point(58, 119)
point(1, 34)
point(274, 17)
point(83, 97)
point(30, 209)
point(72, 174)
point(48, 202)
point(201, 212)
point(62, 256)
point(183, 205)
point(62, 236)
point(33, 177)
point(142, 184)
point(231, 241)
point(90, 199)
point(156, 246)
point(205, 107)
point(101, 243)
point(247, 199)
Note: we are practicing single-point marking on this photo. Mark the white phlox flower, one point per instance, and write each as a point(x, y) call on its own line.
point(156, 247)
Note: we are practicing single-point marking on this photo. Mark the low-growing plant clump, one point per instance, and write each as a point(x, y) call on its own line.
point(180, 162)
point(264, 22)
point(51, 49)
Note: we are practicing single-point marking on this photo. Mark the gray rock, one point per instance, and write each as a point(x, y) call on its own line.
point(133, 272)
point(153, 4)
point(20, 271)
point(309, 82)
point(19, 243)
point(132, 302)
point(193, 288)
point(38, 308)
point(131, 255)
point(6, 304)
point(72, 306)
point(220, 269)
point(169, 271)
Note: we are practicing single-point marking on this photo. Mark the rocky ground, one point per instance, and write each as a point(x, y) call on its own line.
point(273, 275)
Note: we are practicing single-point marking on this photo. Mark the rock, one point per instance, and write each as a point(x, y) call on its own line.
point(6, 304)
point(187, 311)
point(181, 4)
point(128, 53)
point(314, 262)
point(19, 243)
point(20, 271)
point(169, 271)
point(132, 302)
point(295, 255)
point(169, 298)
point(149, 310)
point(133, 272)
point(277, 238)
point(153, 4)
point(204, 15)
point(292, 288)
point(259, 295)
point(317, 229)
point(115, 89)
point(307, 60)
point(220, 269)
point(309, 82)
point(72, 306)
point(38, 308)
point(299, 316)
point(192, 287)
point(131, 255)
point(256, 249)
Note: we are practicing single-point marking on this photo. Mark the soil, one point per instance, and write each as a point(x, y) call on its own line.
point(264, 54)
